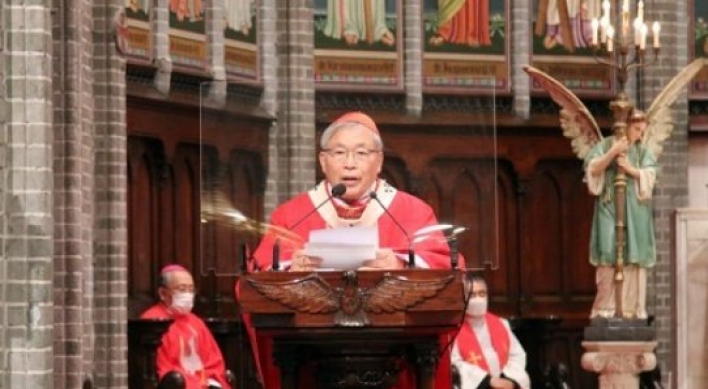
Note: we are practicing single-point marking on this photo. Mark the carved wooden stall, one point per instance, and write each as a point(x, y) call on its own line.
point(176, 154)
point(542, 225)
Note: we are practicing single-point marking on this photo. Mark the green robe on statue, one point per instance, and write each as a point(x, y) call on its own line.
point(640, 247)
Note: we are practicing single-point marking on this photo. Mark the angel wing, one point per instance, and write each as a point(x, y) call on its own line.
point(309, 294)
point(577, 122)
point(396, 293)
point(660, 122)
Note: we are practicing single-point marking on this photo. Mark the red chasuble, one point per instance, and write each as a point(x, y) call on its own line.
point(469, 347)
point(411, 212)
point(188, 348)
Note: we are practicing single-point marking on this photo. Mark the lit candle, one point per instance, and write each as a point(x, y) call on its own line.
point(637, 32)
point(625, 19)
point(643, 42)
point(640, 11)
point(610, 38)
point(595, 26)
point(604, 24)
point(606, 9)
point(655, 28)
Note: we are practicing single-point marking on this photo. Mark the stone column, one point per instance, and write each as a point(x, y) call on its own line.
point(217, 87)
point(671, 192)
point(619, 363)
point(267, 27)
point(295, 140)
point(160, 20)
point(73, 188)
point(413, 70)
point(110, 234)
point(519, 56)
point(26, 196)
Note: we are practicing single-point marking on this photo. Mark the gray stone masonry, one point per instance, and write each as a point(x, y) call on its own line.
point(110, 235)
point(26, 221)
point(413, 57)
point(671, 191)
point(73, 190)
point(296, 98)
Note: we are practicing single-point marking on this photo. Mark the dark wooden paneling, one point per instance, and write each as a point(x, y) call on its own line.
point(181, 160)
point(143, 239)
point(528, 215)
point(179, 166)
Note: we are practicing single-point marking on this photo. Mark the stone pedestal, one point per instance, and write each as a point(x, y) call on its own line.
point(619, 363)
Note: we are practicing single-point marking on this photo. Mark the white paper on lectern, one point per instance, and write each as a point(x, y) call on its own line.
point(343, 248)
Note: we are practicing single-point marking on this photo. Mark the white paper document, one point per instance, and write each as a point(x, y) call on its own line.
point(343, 248)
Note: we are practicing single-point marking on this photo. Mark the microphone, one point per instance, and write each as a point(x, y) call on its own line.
point(337, 191)
point(411, 253)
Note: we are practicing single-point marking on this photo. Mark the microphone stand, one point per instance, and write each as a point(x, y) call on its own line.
point(411, 253)
point(336, 192)
point(453, 253)
point(276, 255)
point(243, 257)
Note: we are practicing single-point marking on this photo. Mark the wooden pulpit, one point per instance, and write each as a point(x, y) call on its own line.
point(354, 329)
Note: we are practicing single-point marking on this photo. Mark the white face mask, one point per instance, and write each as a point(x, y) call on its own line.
point(477, 306)
point(182, 302)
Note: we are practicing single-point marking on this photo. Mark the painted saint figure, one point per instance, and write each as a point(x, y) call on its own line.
point(355, 21)
point(566, 22)
point(239, 15)
point(463, 22)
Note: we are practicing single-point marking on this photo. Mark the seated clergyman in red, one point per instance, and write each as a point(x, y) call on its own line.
point(188, 347)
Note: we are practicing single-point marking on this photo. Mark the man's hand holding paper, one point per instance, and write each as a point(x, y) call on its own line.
point(344, 248)
point(385, 259)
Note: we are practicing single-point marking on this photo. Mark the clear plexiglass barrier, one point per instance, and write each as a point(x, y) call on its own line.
point(461, 183)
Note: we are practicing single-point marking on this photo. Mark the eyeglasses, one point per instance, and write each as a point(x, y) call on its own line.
point(359, 155)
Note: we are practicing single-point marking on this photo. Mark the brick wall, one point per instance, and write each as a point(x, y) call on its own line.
point(296, 98)
point(413, 56)
point(269, 99)
point(672, 189)
point(26, 221)
point(110, 196)
point(520, 54)
point(73, 189)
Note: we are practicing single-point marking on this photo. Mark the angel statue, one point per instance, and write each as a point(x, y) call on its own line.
point(621, 166)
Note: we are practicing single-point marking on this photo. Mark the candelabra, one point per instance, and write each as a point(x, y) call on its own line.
point(606, 38)
point(625, 53)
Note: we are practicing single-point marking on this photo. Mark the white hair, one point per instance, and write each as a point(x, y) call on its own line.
point(333, 128)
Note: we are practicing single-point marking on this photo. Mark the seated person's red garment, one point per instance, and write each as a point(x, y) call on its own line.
point(188, 348)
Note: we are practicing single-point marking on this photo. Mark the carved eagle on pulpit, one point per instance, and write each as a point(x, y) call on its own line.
point(350, 303)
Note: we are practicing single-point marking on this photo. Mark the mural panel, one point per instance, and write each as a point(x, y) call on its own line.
point(465, 46)
point(241, 56)
point(562, 33)
point(135, 35)
point(358, 44)
point(188, 47)
point(699, 86)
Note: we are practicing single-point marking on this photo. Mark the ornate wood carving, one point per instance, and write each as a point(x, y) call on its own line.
point(544, 105)
point(350, 303)
point(467, 104)
point(360, 101)
point(357, 372)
